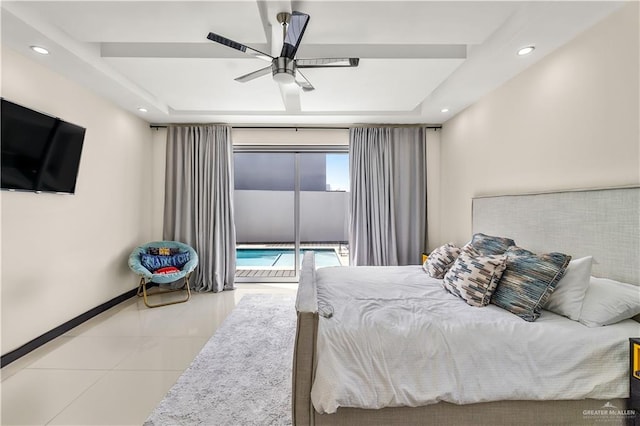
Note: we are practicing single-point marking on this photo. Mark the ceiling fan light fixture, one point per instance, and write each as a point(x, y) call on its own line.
point(284, 78)
point(526, 50)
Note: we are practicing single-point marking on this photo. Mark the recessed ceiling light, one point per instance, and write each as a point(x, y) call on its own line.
point(526, 50)
point(40, 50)
point(141, 109)
point(444, 110)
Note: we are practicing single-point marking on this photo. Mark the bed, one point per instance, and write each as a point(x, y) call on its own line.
point(602, 223)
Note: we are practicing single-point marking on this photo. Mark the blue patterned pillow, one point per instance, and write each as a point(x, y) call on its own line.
point(153, 262)
point(528, 281)
point(473, 277)
point(488, 245)
point(440, 260)
point(163, 251)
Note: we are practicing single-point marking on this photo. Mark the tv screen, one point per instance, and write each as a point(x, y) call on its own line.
point(38, 152)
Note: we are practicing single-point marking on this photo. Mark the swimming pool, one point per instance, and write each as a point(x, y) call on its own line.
point(282, 258)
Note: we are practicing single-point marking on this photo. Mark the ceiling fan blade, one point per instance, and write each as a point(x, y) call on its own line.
point(290, 97)
point(253, 75)
point(327, 62)
point(302, 81)
point(295, 30)
point(239, 46)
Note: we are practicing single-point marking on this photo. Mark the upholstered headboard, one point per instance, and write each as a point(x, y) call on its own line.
point(603, 223)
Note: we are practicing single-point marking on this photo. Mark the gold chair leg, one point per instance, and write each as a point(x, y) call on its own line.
point(140, 286)
point(144, 294)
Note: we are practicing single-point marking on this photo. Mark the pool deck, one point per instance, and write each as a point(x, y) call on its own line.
point(269, 273)
point(342, 250)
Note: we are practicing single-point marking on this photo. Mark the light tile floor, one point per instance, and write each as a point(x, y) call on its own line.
point(115, 368)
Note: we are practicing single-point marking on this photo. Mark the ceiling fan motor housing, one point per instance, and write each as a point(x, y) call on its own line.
point(283, 70)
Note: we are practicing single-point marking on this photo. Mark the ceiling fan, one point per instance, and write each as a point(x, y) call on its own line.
point(285, 68)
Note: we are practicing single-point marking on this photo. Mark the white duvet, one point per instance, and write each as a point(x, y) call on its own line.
point(392, 336)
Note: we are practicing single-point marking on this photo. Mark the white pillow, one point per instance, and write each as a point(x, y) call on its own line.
point(569, 293)
point(608, 302)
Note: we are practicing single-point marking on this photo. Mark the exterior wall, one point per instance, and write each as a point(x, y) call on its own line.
point(267, 216)
point(570, 121)
point(63, 255)
point(276, 171)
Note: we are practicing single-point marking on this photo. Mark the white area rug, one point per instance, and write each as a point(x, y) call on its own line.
point(242, 376)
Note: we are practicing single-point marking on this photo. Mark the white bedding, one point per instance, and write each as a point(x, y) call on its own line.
point(397, 338)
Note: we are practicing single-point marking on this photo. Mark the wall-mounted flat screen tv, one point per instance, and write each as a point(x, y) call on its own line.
point(38, 152)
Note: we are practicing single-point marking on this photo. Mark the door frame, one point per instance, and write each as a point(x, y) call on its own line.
point(297, 150)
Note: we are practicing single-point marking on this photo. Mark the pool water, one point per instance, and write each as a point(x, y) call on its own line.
point(282, 258)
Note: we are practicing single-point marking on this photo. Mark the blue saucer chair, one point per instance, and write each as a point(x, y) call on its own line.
point(166, 263)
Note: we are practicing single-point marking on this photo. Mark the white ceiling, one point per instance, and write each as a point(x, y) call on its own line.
point(417, 57)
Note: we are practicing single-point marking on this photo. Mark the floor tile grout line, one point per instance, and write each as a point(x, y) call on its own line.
point(86, 389)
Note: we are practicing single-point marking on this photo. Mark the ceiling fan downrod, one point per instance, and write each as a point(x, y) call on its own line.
point(282, 68)
point(283, 19)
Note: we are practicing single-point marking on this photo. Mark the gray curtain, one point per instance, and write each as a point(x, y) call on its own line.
point(388, 223)
point(198, 206)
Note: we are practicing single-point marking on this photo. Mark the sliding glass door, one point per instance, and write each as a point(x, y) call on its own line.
point(324, 206)
point(286, 203)
point(264, 204)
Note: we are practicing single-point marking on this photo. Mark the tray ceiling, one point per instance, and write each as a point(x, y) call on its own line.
point(417, 57)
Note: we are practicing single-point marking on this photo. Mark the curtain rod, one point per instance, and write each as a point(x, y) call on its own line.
point(164, 126)
point(428, 126)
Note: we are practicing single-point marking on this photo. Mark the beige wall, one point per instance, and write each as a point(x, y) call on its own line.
point(159, 155)
point(570, 121)
point(65, 254)
point(433, 188)
point(290, 136)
